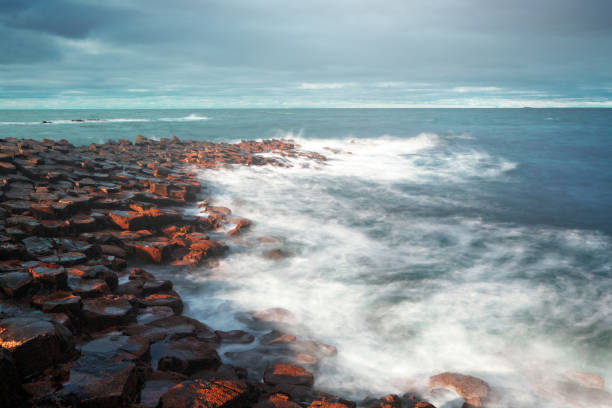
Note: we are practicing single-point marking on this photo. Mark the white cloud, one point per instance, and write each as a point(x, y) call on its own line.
point(466, 89)
point(137, 90)
point(325, 85)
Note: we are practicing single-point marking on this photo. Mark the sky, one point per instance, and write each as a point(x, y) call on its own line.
point(315, 53)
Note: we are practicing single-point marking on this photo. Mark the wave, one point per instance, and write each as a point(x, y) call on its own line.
point(188, 118)
point(421, 159)
point(405, 296)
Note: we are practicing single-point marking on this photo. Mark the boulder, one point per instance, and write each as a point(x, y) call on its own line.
point(35, 343)
point(288, 374)
point(235, 337)
point(209, 394)
point(473, 390)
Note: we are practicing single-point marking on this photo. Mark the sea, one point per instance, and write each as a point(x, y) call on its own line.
point(476, 241)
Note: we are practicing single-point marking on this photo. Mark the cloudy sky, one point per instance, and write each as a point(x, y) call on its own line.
point(315, 53)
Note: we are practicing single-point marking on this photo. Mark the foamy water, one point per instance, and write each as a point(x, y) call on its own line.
point(390, 265)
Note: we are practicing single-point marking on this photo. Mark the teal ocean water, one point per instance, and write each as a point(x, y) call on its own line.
point(477, 241)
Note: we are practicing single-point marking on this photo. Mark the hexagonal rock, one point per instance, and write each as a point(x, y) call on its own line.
point(171, 299)
point(287, 374)
point(50, 275)
point(96, 272)
point(107, 311)
point(65, 259)
point(15, 284)
point(96, 381)
point(277, 400)
point(35, 343)
point(129, 220)
point(37, 246)
point(174, 327)
point(208, 394)
point(157, 251)
point(88, 288)
point(186, 355)
point(58, 302)
point(473, 390)
point(235, 337)
point(115, 346)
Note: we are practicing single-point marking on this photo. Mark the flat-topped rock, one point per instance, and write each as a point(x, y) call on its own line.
point(108, 311)
point(209, 394)
point(185, 355)
point(288, 374)
point(116, 346)
point(170, 299)
point(96, 381)
point(50, 275)
point(15, 284)
point(35, 343)
point(58, 302)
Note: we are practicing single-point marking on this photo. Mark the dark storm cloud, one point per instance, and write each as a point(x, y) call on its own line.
point(311, 51)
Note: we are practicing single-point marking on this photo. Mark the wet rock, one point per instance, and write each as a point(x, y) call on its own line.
point(235, 337)
point(37, 246)
point(388, 401)
point(88, 288)
point(58, 302)
point(209, 394)
point(65, 259)
point(276, 254)
point(174, 327)
point(277, 337)
point(584, 379)
point(151, 314)
point(329, 404)
point(473, 390)
point(288, 374)
point(96, 272)
point(15, 284)
point(275, 315)
point(113, 250)
point(50, 276)
point(171, 300)
point(35, 343)
point(108, 311)
point(157, 251)
point(278, 400)
point(115, 346)
point(96, 381)
point(186, 355)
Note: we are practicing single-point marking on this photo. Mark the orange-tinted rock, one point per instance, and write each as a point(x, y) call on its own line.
point(50, 275)
point(473, 390)
point(172, 300)
point(34, 343)
point(172, 328)
point(88, 288)
point(58, 302)
point(288, 374)
point(158, 250)
point(276, 337)
point(209, 394)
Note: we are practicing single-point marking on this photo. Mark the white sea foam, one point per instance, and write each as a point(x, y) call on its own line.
point(402, 296)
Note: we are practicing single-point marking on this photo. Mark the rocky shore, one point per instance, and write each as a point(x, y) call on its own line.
point(83, 324)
